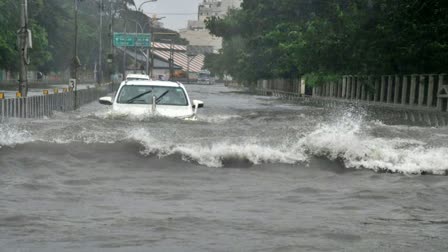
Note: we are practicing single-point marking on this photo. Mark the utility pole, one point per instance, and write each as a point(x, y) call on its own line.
point(76, 63)
point(110, 56)
point(75, 56)
point(153, 45)
point(149, 50)
point(24, 42)
point(124, 52)
point(153, 35)
point(100, 54)
point(147, 59)
point(135, 46)
point(190, 58)
point(171, 59)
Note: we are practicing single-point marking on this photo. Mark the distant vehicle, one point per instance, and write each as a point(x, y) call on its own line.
point(147, 97)
point(204, 77)
point(131, 77)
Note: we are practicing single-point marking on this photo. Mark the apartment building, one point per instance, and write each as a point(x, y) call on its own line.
point(209, 8)
point(196, 33)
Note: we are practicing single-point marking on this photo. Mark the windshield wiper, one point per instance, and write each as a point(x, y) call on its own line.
point(138, 96)
point(161, 96)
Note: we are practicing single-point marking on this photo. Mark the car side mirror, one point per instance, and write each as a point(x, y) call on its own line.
point(198, 104)
point(107, 100)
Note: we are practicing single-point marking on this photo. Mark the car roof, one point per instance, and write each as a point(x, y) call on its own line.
point(152, 83)
point(140, 76)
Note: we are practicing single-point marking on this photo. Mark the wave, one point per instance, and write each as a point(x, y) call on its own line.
point(346, 140)
point(343, 140)
point(111, 115)
point(349, 138)
point(12, 134)
point(215, 154)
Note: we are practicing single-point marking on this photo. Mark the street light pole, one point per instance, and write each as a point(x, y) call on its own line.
point(153, 36)
point(76, 62)
point(151, 42)
point(140, 6)
point(142, 29)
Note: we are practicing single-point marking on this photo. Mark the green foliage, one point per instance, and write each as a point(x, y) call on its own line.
point(8, 48)
point(53, 30)
point(323, 39)
point(316, 79)
point(40, 54)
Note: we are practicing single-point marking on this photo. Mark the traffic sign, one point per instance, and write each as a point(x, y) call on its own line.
point(72, 83)
point(132, 39)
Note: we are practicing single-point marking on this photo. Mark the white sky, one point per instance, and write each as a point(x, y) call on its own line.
point(176, 12)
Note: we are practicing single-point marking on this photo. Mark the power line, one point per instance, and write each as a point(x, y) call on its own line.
point(172, 14)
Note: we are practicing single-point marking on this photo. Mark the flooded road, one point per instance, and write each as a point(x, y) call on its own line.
point(252, 174)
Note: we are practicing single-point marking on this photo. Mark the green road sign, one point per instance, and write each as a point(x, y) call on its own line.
point(132, 39)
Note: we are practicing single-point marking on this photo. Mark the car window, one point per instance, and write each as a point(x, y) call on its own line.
point(135, 95)
point(132, 79)
point(144, 94)
point(170, 96)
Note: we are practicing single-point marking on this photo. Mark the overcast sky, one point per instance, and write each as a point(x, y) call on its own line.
point(176, 12)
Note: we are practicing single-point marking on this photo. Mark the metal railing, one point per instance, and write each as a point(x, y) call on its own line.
point(45, 105)
point(417, 91)
point(421, 99)
point(423, 91)
point(40, 83)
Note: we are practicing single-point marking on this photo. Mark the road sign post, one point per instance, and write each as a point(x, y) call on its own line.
point(72, 84)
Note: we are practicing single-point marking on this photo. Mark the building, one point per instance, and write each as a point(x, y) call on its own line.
point(218, 8)
point(196, 32)
point(162, 53)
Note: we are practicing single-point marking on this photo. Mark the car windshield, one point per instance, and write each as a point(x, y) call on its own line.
point(133, 78)
point(144, 94)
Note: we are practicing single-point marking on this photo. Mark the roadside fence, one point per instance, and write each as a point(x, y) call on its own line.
point(419, 98)
point(425, 91)
point(40, 83)
point(284, 88)
point(46, 104)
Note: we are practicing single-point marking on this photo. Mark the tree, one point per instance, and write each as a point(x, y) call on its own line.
point(290, 38)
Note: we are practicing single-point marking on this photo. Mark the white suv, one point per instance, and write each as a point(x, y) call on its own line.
point(147, 97)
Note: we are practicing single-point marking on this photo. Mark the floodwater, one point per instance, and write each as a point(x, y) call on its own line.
point(252, 174)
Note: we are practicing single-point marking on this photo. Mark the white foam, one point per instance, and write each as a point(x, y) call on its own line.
point(114, 115)
point(214, 154)
point(349, 139)
point(11, 135)
point(217, 118)
point(346, 140)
